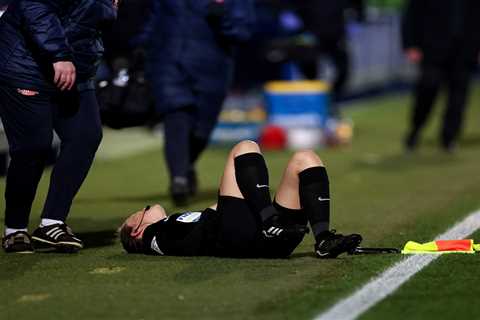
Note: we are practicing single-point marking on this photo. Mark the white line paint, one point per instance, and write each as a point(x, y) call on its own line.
point(385, 284)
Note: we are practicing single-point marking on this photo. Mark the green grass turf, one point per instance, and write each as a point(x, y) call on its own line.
point(386, 196)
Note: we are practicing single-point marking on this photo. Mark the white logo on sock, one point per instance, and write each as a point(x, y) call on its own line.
point(262, 186)
point(323, 199)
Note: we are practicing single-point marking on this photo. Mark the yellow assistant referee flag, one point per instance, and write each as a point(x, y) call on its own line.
point(441, 246)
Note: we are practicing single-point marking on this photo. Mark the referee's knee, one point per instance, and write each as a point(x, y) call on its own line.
point(245, 146)
point(306, 159)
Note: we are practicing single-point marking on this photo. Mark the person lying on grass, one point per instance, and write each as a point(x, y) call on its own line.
point(245, 223)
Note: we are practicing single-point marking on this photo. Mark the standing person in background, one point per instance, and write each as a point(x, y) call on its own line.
point(191, 62)
point(126, 38)
point(443, 38)
point(49, 51)
point(326, 20)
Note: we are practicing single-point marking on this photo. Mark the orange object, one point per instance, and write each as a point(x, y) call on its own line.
point(454, 245)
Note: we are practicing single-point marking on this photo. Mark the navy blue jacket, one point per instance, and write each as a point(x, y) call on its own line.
point(36, 33)
point(191, 49)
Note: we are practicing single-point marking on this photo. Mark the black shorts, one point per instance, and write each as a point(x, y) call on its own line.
point(240, 231)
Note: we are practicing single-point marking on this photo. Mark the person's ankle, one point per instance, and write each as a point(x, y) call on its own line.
point(323, 236)
point(8, 231)
point(48, 222)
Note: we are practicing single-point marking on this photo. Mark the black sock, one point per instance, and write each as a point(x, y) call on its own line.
point(251, 174)
point(315, 198)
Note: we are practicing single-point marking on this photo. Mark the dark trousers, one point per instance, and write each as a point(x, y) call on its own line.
point(336, 50)
point(456, 74)
point(187, 132)
point(29, 123)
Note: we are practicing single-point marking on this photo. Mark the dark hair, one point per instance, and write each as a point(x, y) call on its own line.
point(130, 244)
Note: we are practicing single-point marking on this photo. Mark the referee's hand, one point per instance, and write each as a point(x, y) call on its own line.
point(65, 75)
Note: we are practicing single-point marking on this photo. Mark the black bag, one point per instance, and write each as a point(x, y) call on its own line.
point(126, 100)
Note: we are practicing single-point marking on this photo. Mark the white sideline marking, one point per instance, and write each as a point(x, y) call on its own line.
point(385, 284)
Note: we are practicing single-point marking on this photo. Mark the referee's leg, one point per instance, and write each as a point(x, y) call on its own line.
point(27, 121)
point(77, 123)
point(228, 183)
point(246, 176)
point(239, 225)
point(305, 186)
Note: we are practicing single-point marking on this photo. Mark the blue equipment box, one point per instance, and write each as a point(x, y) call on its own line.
point(293, 104)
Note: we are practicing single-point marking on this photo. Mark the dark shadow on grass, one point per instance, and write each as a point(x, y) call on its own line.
point(98, 239)
point(201, 196)
point(205, 261)
point(123, 256)
point(96, 232)
point(300, 255)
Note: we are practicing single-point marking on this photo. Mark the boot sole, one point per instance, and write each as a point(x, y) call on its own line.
point(63, 247)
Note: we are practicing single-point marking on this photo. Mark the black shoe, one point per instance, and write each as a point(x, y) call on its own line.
point(58, 237)
point(180, 191)
point(19, 242)
point(284, 232)
point(274, 227)
point(330, 245)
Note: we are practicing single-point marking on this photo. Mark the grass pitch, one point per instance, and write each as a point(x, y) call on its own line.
point(377, 191)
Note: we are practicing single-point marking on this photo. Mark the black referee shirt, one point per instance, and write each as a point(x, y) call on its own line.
point(191, 233)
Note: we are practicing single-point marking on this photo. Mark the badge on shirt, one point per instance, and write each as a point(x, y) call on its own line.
point(189, 217)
